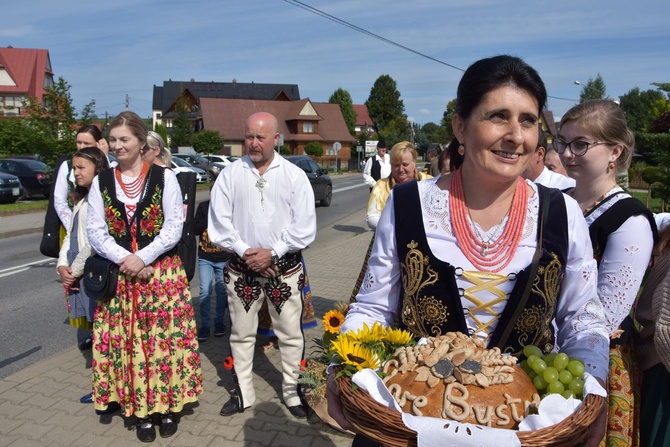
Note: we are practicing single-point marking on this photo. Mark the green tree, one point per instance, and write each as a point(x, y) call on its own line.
point(54, 120)
point(385, 106)
point(18, 136)
point(285, 149)
point(435, 133)
point(642, 108)
point(182, 128)
point(396, 131)
point(593, 89)
point(446, 119)
point(161, 130)
point(664, 86)
point(657, 146)
point(343, 98)
point(207, 141)
point(88, 114)
point(661, 124)
point(314, 149)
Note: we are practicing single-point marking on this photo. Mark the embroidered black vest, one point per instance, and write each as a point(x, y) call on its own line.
point(610, 221)
point(431, 301)
point(376, 169)
point(148, 218)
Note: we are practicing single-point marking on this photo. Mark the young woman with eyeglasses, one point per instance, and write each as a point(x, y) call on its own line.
point(595, 144)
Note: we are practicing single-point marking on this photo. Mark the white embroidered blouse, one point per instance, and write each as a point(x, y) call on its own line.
point(624, 262)
point(579, 323)
point(168, 237)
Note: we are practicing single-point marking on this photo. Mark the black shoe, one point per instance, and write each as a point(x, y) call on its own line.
point(147, 434)
point(168, 426)
point(231, 407)
point(297, 411)
point(86, 344)
point(112, 407)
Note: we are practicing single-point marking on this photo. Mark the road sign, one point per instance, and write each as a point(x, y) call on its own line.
point(337, 146)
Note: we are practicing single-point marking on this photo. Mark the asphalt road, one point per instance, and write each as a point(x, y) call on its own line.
point(33, 317)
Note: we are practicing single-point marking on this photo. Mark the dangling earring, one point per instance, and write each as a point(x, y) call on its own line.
point(611, 165)
point(461, 150)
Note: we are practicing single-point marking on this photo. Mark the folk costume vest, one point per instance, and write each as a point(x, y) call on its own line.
point(376, 169)
point(431, 302)
point(148, 218)
point(607, 223)
point(610, 221)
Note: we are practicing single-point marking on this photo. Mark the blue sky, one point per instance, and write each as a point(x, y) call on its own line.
point(107, 50)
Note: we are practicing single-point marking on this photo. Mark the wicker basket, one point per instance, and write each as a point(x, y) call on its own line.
point(385, 426)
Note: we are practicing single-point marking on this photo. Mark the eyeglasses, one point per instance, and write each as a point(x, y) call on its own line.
point(577, 147)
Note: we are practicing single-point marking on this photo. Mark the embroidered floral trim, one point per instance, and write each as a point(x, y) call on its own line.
point(278, 292)
point(248, 290)
point(115, 223)
point(152, 215)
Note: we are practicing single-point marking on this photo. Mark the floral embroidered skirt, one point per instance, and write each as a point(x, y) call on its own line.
point(623, 399)
point(145, 351)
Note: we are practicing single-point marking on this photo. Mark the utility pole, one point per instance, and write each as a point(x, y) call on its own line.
point(126, 101)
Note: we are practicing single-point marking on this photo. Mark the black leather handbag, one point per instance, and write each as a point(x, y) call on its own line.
point(100, 278)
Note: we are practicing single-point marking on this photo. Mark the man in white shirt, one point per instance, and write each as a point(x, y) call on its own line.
point(539, 173)
point(378, 166)
point(262, 210)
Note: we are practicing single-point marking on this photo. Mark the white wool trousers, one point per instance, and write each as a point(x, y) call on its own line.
point(245, 298)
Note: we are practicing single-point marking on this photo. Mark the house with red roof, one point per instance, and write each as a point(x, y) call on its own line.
point(300, 122)
point(363, 121)
point(23, 73)
point(165, 96)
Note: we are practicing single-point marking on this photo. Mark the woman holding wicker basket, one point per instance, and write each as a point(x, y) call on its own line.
point(499, 263)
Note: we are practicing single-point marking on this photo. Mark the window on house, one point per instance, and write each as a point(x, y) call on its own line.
point(307, 127)
point(48, 81)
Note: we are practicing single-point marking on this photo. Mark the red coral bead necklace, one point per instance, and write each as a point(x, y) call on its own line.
point(132, 188)
point(494, 254)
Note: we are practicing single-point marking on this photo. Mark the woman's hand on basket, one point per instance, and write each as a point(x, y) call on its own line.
point(335, 403)
point(599, 426)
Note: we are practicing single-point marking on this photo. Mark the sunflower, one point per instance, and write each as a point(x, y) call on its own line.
point(370, 335)
point(332, 321)
point(398, 337)
point(352, 353)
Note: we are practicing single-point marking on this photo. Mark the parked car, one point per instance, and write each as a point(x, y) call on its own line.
point(201, 162)
point(10, 188)
point(179, 165)
point(318, 178)
point(34, 175)
point(222, 160)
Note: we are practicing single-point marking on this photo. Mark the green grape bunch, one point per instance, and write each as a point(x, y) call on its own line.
point(554, 373)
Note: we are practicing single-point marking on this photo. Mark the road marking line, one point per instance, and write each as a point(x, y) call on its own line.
point(23, 267)
point(346, 188)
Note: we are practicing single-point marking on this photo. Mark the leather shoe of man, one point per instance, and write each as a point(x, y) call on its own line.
point(231, 407)
point(297, 411)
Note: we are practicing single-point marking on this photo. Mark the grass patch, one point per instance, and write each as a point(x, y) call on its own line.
point(27, 206)
point(654, 203)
